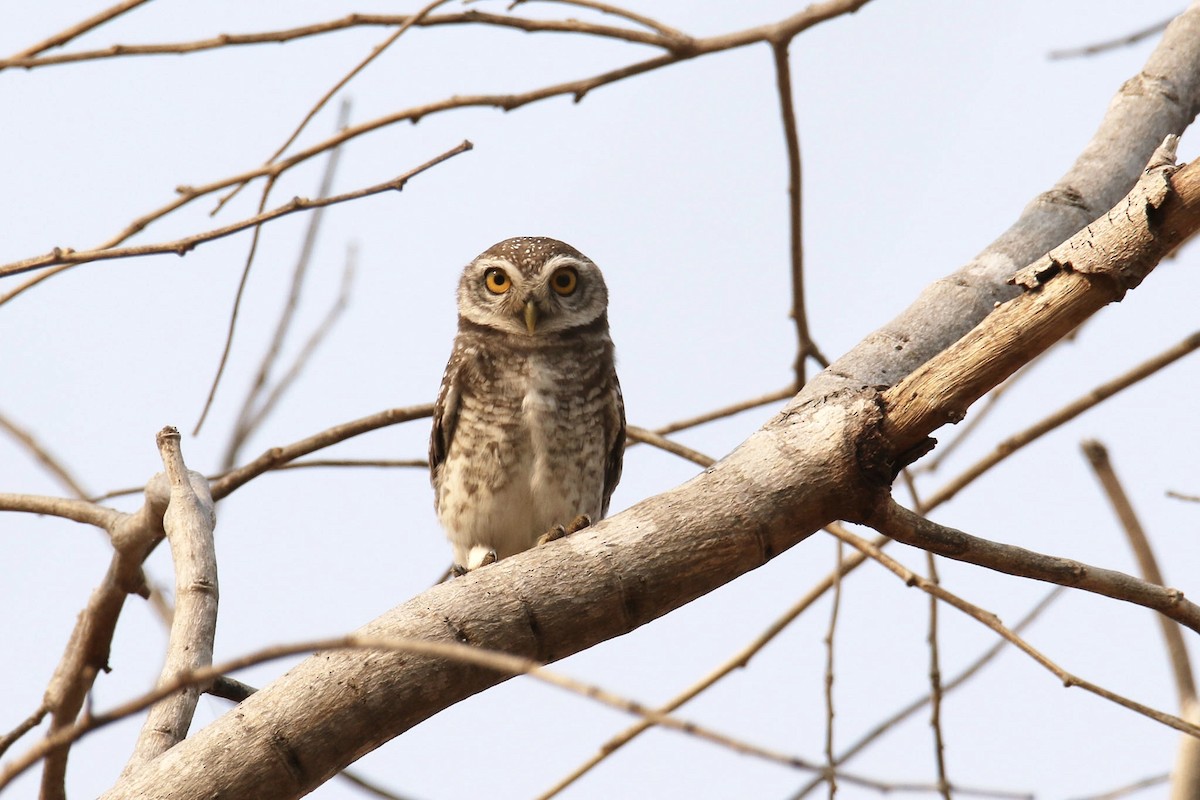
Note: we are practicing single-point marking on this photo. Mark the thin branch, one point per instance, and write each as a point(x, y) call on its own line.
point(799, 313)
point(84, 511)
point(1181, 665)
point(728, 411)
point(343, 23)
point(23, 727)
point(318, 335)
point(44, 457)
point(277, 456)
point(1191, 498)
point(835, 606)
point(61, 38)
point(637, 434)
point(419, 463)
point(1113, 44)
point(604, 8)
point(1131, 788)
point(992, 621)
point(935, 684)
point(60, 256)
point(1064, 415)
point(958, 680)
point(911, 529)
point(243, 426)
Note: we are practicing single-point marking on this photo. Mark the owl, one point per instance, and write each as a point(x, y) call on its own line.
point(529, 425)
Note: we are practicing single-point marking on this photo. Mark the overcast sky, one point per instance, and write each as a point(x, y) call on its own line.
point(925, 128)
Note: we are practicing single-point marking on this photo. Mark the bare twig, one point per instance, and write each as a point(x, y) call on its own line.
point(662, 443)
point(1113, 44)
point(60, 256)
point(314, 340)
point(243, 426)
point(935, 684)
point(277, 456)
point(44, 456)
point(78, 29)
point(728, 411)
point(23, 727)
point(1191, 498)
point(84, 511)
point(835, 606)
point(791, 136)
point(1065, 414)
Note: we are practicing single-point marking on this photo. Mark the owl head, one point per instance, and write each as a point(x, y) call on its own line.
point(532, 286)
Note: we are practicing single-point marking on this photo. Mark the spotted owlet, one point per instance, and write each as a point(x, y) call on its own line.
point(529, 424)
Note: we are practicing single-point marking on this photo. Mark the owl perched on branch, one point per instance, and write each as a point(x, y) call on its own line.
point(529, 424)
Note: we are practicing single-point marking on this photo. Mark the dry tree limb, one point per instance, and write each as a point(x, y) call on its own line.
point(66, 256)
point(1191, 498)
point(1064, 415)
point(188, 523)
point(912, 529)
point(133, 536)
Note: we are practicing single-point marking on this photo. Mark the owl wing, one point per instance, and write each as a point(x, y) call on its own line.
point(445, 419)
point(614, 425)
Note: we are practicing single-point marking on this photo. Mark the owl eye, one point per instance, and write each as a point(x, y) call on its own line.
point(496, 281)
point(565, 280)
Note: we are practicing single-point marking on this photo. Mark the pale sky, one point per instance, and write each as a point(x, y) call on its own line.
point(925, 128)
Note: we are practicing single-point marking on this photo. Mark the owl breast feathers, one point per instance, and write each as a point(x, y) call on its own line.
point(529, 424)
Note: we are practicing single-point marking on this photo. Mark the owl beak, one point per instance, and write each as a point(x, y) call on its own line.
point(531, 316)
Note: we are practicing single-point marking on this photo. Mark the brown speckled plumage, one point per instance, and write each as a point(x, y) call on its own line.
point(529, 424)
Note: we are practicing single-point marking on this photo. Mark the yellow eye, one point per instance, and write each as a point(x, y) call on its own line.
point(565, 280)
point(496, 281)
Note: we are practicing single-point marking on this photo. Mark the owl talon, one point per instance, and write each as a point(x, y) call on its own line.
point(557, 532)
point(579, 523)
